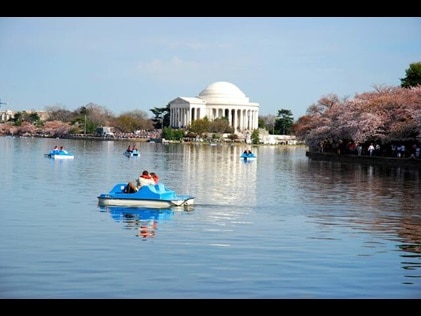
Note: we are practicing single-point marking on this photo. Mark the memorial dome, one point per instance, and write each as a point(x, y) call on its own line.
point(224, 93)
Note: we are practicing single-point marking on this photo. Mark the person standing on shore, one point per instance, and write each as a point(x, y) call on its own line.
point(403, 151)
point(359, 149)
point(371, 149)
point(377, 150)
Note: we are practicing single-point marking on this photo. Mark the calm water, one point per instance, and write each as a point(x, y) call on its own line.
point(282, 226)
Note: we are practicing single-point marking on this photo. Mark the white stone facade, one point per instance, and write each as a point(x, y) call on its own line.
point(219, 100)
point(6, 115)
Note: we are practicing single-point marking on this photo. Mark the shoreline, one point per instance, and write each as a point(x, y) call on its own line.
point(386, 161)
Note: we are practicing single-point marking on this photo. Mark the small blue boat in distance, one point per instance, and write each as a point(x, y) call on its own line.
point(133, 153)
point(59, 154)
point(248, 156)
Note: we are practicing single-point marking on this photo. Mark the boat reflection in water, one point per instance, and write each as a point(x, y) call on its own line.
point(144, 220)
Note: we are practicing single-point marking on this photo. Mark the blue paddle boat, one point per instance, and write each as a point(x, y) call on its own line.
point(60, 154)
point(248, 156)
point(149, 196)
point(133, 153)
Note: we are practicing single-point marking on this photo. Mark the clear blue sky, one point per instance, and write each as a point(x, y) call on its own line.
point(126, 63)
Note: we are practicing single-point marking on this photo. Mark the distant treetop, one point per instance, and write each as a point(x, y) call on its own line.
point(413, 76)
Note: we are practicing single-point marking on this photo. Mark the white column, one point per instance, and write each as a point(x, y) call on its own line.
point(183, 117)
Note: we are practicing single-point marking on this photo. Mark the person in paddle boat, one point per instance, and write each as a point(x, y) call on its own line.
point(55, 150)
point(62, 151)
point(135, 151)
point(248, 152)
point(144, 179)
point(129, 149)
point(155, 177)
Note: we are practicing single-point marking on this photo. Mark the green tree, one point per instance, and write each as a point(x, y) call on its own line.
point(413, 76)
point(131, 121)
point(255, 138)
point(84, 111)
point(200, 126)
point(172, 134)
point(81, 121)
point(161, 116)
point(220, 125)
point(284, 121)
point(261, 122)
point(167, 133)
point(34, 118)
point(18, 118)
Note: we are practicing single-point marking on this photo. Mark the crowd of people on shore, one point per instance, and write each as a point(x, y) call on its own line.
point(145, 178)
point(410, 150)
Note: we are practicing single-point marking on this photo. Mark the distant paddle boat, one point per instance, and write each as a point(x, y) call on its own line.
point(60, 154)
point(248, 156)
point(133, 153)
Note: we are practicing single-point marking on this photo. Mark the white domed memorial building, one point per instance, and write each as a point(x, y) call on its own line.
point(219, 100)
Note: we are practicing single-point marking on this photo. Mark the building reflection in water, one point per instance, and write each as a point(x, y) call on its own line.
point(198, 161)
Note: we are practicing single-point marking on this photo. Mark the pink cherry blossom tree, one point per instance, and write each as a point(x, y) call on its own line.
point(383, 115)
